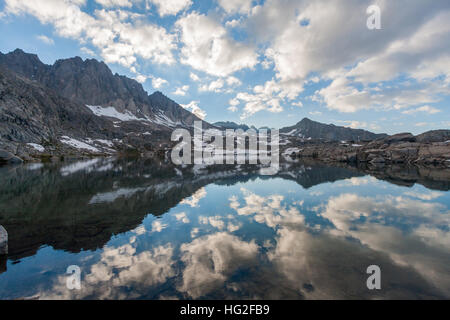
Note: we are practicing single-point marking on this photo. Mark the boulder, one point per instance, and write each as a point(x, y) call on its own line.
point(3, 241)
point(5, 155)
point(8, 158)
point(400, 137)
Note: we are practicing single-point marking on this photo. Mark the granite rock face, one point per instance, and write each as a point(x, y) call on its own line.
point(36, 123)
point(32, 113)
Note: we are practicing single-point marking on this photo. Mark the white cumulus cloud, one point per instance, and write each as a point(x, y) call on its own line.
point(46, 39)
point(207, 46)
point(195, 109)
point(171, 7)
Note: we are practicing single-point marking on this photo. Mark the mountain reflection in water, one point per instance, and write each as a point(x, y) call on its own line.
point(145, 230)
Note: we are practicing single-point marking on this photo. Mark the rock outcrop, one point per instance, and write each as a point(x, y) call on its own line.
point(428, 148)
point(33, 115)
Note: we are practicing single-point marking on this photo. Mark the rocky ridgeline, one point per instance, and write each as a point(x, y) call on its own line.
point(91, 82)
point(431, 147)
point(309, 129)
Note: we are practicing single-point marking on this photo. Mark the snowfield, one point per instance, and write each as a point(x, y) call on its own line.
point(36, 147)
point(290, 133)
point(106, 142)
point(113, 113)
point(78, 144)
point(162, 119)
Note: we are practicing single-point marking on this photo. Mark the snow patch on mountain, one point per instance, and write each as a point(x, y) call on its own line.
point(78, 144)
point(36, 147)
point(290, 133)
point(162, 119)
point(111, 112)
point(105, 142)
point(159, 118)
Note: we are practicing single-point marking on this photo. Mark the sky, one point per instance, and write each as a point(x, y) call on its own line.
point(379, 65)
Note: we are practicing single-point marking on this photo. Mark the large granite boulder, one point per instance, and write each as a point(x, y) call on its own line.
point(400, 137)
point(8, 158)
point(3, 241)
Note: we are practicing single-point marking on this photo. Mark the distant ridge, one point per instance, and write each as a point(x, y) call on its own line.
point(309, 129)
point(233, 125)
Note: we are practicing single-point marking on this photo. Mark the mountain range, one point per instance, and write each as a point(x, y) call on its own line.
point(91, 82)
point(80, 105)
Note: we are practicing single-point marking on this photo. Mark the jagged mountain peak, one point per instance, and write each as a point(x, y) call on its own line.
point(158, 93)
point(25, 64)
point(20, 53)
point(162, 101)
point(77, 63)
point(91, 82)
point(305, 121)
point(159, 96)
point(75, 60)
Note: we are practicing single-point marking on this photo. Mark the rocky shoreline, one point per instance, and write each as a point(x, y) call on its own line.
point(430, 148)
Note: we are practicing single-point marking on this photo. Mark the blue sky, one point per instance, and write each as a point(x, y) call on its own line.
point(261, 62)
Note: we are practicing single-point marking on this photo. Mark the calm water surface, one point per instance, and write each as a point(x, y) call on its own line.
point(145, 230)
